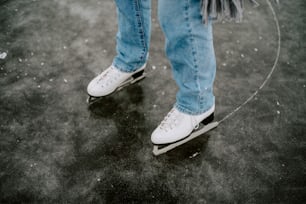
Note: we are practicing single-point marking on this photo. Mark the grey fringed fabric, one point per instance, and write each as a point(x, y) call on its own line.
point(222, 9)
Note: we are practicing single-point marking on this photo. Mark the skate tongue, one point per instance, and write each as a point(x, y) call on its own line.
point(110, 75)
point(170, 120)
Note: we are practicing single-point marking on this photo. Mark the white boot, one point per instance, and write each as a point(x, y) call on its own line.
point(111, 79)
point(177, 126)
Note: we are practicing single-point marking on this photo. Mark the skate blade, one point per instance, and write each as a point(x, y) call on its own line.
point(158, 151)
point(92, 99)
point(135, 78)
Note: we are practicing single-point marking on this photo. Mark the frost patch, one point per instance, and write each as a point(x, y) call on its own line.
point(3, 55)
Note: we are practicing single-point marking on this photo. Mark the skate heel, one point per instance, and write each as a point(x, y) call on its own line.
point(208, 120)
point(133, 79)
point(138, 74)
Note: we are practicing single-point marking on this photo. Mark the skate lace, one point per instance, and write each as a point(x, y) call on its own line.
point(109, 77)
point(170, 121)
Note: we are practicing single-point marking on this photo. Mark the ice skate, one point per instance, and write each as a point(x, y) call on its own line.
point(112, 80)
point(178, 128)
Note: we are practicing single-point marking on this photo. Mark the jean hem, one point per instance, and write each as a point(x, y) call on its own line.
point(189, 112)
point(127, 69)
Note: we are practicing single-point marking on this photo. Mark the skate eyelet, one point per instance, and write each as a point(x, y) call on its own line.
point(197, 127)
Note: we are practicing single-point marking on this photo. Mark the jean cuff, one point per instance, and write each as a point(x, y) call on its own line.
point(190, 112)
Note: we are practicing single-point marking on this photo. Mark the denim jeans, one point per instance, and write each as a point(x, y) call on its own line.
point(189, 47)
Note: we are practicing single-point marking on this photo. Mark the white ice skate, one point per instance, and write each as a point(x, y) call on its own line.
point(178, 128)
point(112, 80)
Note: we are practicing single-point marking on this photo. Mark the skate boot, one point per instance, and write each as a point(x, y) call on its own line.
point(178, 128)
point(112, 80)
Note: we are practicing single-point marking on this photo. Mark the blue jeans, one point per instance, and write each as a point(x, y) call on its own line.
point(189, 47)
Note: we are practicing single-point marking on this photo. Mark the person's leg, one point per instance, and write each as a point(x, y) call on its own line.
point(189, 47)
point(133, 39)
point(133, 36)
